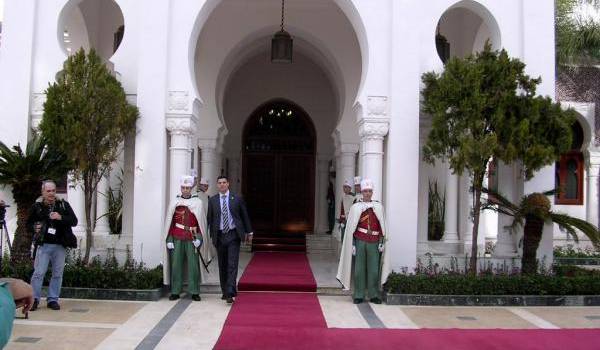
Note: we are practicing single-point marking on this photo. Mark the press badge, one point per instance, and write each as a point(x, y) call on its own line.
point(51, 230)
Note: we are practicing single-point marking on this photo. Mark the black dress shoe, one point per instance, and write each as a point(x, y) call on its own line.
point(376, 300)
point(223, 297)
point(229, 300)
point(173, 296)
point(35, 305)
point(358, 300)
point(53, 305)
point(196, 297)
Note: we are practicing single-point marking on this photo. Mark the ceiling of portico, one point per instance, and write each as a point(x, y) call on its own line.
point(237, 31)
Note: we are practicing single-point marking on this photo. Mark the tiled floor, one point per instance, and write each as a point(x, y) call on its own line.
point(87, 324)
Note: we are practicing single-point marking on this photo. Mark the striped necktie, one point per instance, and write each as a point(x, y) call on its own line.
point(225, 213)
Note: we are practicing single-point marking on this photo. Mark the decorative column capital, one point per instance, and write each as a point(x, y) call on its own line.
point(181, 124)
point(373, 129)
point(349, 148)
point(205, 144)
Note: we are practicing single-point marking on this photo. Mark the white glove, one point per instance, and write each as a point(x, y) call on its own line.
point(353, 250)
point(170, 245)
point(196, 243)
point(380, 247)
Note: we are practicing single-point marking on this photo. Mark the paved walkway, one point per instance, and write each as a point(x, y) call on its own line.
point(183, 324)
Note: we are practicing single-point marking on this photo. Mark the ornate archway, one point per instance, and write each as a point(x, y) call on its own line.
point(278, 167)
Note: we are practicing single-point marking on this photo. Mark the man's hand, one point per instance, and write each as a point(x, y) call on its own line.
point(380, 247)
point(21, 291)
point(197, 243)
point(170, 245)
point(55, 216)
point(353, 250)
point(249, 238)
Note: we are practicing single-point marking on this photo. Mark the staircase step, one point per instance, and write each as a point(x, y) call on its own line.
point(272, 247)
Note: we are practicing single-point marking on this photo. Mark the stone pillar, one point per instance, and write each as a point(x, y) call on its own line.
point(321, 195)
point(76, 199)
point(372, 130)
point(451, 212)
point(102, 227)
point(37, 111)
point(347, 162)
point(208, 163)
point(592, 189)
point(180, 127)
point(505, 246)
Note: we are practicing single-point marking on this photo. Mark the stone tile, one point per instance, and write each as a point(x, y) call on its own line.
point(98, 311)
point(199, 326)
point(132, 332)
point(340, 312)
point(324, 267)
point(64, 338)
point(569, 317)
point(448, 317)
point(393, 316)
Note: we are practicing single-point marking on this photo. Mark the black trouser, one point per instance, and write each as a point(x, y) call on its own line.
point(228, 251)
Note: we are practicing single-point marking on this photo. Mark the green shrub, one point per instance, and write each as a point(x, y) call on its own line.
point(107, 274)
point(566, 280)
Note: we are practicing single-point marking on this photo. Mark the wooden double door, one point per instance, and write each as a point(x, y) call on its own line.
point(279, 190)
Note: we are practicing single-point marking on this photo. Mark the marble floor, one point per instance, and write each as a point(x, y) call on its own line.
point(183, 324)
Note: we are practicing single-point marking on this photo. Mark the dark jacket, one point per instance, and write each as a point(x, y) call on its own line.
point(239, 213)
point(64, 236)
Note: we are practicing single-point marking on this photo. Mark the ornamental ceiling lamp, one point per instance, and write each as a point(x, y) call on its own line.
point(282, 42)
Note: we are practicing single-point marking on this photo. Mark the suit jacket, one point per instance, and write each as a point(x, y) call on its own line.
point(239, 213)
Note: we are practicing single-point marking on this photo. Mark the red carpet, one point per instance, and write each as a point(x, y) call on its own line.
point(289, 321)
point(288, 272)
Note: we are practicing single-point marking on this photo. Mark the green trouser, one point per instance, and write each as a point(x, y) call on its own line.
point(184, 250)
point(366, 269)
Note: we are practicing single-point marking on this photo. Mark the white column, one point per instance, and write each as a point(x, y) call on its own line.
point(451, 212)
point(592, 189)
point(208, 163)
point(76, 198)
point(180, 128)
point(372, 130)
point(102, 227)
point(507, 178)
point(321, 195)
point(347, 160)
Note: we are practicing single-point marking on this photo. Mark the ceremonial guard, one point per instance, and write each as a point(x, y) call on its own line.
point(186, 240)
point(203, 193)
point(365, 238)
point(343, 209)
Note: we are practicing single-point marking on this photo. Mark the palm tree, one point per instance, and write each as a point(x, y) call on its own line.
point(24, 172)
point(532, 212)
point(577, 37)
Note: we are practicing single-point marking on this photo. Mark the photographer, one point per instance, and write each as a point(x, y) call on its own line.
point(50, 219)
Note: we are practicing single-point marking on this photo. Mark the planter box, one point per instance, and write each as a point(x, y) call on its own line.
point(577, 261)
point(110, 294)
point(492, 300)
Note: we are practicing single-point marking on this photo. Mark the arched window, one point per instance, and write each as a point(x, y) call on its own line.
point(569, 171)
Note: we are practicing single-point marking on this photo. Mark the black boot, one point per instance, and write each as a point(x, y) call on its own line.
point(196, 297)
point(174, 297)
point(358, 300)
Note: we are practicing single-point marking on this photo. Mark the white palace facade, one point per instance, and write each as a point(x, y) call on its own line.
point(200, 72)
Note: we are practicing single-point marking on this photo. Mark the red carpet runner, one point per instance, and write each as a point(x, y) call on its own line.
point(278, 320)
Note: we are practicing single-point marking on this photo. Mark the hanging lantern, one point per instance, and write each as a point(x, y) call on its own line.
point(282, 42)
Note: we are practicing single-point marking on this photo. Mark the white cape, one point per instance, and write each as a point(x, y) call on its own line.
point(196, 206)
point(344, 273)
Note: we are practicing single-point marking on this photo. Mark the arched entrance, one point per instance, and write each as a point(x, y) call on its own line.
point(278, 167)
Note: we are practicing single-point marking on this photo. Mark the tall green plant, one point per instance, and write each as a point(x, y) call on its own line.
point(87, 116)
point(114, 211)
point(485, 106)
point(531, 213)
point(577, 37)
point(436, 213)
point(24, 171)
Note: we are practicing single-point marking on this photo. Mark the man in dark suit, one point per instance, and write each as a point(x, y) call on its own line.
point(229, 225)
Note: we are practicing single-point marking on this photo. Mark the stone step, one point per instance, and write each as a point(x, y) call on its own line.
point(212, 288)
